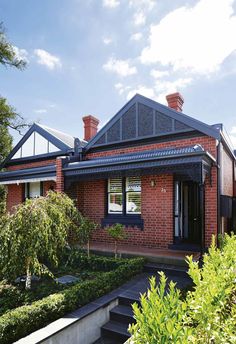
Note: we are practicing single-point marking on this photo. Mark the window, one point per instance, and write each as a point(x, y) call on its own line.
point(124, 196)
point(133, 195)
point(33, 190)
point(115, 196)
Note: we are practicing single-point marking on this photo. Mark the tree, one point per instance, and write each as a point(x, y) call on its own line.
point(117, 233)
point(85, 231)
point(36, 232)
point(8, 54)
point(9, 118)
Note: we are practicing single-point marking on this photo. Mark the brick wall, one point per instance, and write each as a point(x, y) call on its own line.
point(59, 175)
point(208, 144)
point(158, 222)
point(227, 174)
point(15, 195)
point(211, 207)
point(31, 165)
point(48, 185)
point(157, 211)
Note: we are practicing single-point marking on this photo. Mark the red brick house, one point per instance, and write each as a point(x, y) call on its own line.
point(169, 178)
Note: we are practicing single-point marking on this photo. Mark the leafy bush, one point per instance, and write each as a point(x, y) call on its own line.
point(85, 231)
point(117, 233)
point(93, 263)
point(207, 315)
point(23, 320)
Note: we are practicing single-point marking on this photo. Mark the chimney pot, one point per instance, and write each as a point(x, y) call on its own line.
point(90, 127)
point(175, 101)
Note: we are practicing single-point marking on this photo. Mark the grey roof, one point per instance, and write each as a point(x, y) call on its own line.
point(63, 137)
point(29, 173)
point(179, 116)
point(189, 161)
point(138, 157)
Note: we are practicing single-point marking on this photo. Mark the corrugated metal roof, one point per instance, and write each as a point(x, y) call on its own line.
point(65, 138)
point(134, 157)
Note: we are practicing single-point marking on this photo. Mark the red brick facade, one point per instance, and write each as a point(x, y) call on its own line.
point(157, 201)
point(15, 195)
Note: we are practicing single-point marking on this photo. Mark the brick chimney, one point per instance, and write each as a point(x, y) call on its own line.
point(175, 101)
point(90, 127)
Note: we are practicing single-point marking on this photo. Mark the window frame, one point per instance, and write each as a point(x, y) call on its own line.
point(124, 193)
point(27, 190)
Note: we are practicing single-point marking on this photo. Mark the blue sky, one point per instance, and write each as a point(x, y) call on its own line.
point(91, 56)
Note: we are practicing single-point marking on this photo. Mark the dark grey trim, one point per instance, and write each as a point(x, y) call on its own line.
point(55, 141)
point(170, 154)
point(30, 173)
point(179, 116)
point(126, 220)
point(40, 157)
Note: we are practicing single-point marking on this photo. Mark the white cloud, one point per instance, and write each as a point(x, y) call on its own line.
point(143, 90)
point(21, 54)
point(136, 36)
point(120, 67)
point(121, 88)
point(111, 3)
point(139, 18)
point(196, 39)
point(107, 40)
point(48, 60)
point(40, 111)
point(157, 74)
point(147, 4)
point(163, 88)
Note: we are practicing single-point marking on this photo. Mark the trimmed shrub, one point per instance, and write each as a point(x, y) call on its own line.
point(23, 320)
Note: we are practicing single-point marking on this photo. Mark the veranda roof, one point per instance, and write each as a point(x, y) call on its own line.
point(192, 161)
point(28, 175)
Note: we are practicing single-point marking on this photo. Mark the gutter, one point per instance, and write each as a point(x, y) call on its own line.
point(218, 191)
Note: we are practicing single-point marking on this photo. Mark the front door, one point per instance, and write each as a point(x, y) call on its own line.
point(187, 219)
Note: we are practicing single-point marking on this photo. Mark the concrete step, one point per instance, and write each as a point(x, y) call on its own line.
point(123, 314)
point(128, 300)
point(108, 341)
point(115, 330)
point(168, 269)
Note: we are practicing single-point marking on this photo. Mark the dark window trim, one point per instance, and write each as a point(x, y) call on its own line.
point(27, 190)
point(128, 220)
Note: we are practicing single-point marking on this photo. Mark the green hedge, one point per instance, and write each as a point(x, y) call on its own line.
point(23, 320)
point(80, 260)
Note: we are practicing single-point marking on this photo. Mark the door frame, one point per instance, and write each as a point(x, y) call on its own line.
point(178, 214)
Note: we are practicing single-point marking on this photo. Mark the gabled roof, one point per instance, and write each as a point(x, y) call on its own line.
point(180, 122)
point(68, 140)
point(61, 142)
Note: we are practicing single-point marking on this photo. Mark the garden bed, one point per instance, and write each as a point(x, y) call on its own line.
point(23, 312)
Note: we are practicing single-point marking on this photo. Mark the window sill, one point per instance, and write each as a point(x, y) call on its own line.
point(126, 220)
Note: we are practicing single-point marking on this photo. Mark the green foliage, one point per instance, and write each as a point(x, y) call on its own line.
point(207, 315)
point(117, 232)
point(21, 321)
point(95, 263)
point(8, 54)
point(210, 302)
point(84, 232)
point(36, 231)
point(161, 316)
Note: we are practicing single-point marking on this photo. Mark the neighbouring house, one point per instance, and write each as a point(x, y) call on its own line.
point(169, 178)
